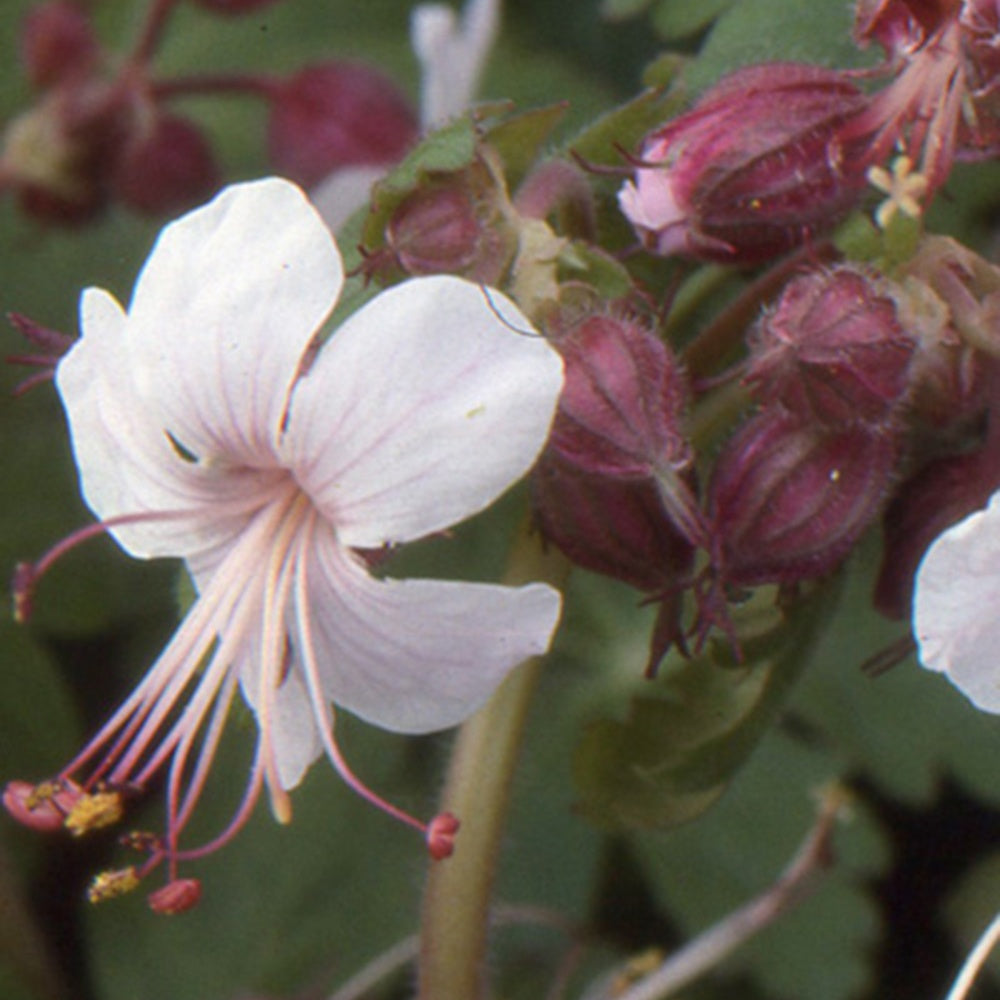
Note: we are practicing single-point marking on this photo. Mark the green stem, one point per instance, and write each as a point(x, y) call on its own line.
point(456, 908)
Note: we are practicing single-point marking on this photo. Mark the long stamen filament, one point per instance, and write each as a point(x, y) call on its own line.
point(321, 707)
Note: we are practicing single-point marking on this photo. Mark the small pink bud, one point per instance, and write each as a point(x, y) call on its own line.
point(58, 43)
point(832, 350)
point(452, 225)
point(166, 165)
point(334, 115)
point(622, 402)
point(789, 499)
point(441, 836)
point(753, 170)
point(178, 896)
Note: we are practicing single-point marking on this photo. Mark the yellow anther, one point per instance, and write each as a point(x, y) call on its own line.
point(94, 811)
point(108, 885)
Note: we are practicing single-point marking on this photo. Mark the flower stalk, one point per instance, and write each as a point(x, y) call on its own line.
point(456, 907)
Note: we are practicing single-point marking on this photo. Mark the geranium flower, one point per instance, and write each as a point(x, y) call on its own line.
point(206, 425)
point(954, 606)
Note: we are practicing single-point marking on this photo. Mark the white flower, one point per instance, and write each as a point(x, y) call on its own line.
point(204, 428)
point(955, 606)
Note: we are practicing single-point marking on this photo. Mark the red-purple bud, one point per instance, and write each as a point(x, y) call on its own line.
point(164, 166)
point(441, 833)
point(622, 401)
point(788, 499)
point(753, 170)
point(452, 225)
point(832, 350)
point(335, 115)
point(58, 43)
point(178, 896)
point(940, 495)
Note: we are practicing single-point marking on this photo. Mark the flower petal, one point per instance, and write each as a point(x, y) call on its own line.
point(955, 606)
point(230, 298)
point(416, 656)
point(126, 461)
point(421, 410)
point(296, 742)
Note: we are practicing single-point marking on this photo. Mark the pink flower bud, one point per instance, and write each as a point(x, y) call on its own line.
point(335, 115)
point(753, 170)
point(622, 401)
point(616, 527)
point(900, 26)
point(178, 896)
point(831, 350)
point(452, 225)
point(789, 499)
point(57, 43)
point(166, 165)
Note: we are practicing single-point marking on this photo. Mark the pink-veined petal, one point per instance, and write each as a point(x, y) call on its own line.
point(416, 656)
point(424, 407)
point(223, 311)
point(955, 606)
point(126, 462)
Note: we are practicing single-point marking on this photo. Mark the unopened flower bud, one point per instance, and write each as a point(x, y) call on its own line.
point(940, 495)
point(831, 350)
point(788, 498)
point(57, 43)
point(622, 401)
point(335, 115)
point(178, 896)
point(753, 170)
point(452, 225)
point(165, 165)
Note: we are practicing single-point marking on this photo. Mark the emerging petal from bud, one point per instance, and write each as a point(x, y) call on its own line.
point(753, 170)
point(832, 350)
point(789, 499)
point(334, 115)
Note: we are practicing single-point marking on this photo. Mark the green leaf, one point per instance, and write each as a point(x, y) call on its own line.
point(701, 872)
point(677, 19)
point(688, 733)
point(621, 10)
point(756, 31)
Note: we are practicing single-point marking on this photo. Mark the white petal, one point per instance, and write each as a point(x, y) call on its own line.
point(126, 462)
point(230, 298)
point(416, 656)
point(955, 606)
point(296, 743)
point(452, 55)
point(422, 409)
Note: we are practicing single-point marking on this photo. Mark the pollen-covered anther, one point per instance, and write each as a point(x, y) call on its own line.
point(107, 885)
point(22, 591)
point(41, 807)
point(141, 840)
point(178, 896)
point(441, 835)
point(93, 811)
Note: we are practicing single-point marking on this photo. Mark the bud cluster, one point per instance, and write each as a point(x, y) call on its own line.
point(103, 128)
